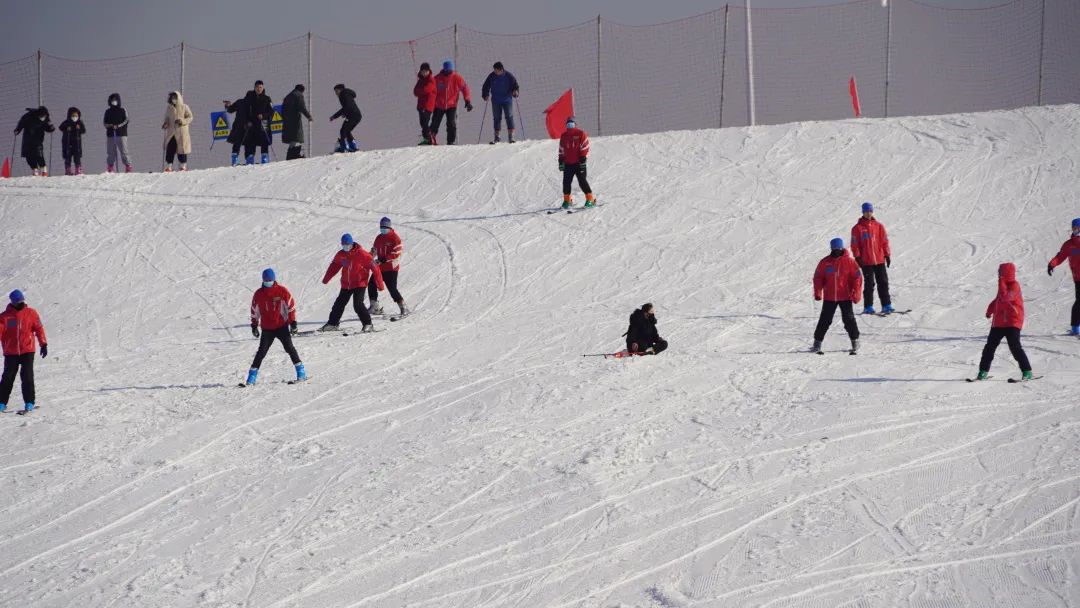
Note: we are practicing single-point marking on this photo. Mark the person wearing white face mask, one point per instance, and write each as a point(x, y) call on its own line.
point(355, 266)
point(177, 136)
point(387, 251)
point(274, 311)
point(116, 131)
point(71, 143)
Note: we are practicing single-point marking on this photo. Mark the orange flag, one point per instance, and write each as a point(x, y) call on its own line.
point(6, 171)
point(558, 112)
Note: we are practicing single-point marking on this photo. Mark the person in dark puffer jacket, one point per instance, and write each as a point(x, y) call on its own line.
point(642, 336)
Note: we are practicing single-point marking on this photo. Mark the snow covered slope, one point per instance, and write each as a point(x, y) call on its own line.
point(469, 456)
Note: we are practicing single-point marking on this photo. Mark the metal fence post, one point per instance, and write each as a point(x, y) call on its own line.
point(183, 48)
point(1042, 47)
point(888, 50)
point(455, 47)
point(40, 99)
point(751, 102)
point(310, 96)
point(599, 81)
point(723, 65)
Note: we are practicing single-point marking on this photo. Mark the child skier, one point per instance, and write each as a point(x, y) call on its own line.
point(20, 325)
point(273, 309)
point(72, 129)
point(1070, 250)
point(116, 131)
point(642, 336)
point(34, 125)
point(870, 246)
point(355, 266)
point(573, 154)
point(1007, 311)
point(424, 90)
point(838, 281)
point(387, 251)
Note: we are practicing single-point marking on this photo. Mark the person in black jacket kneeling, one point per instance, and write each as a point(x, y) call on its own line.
point(642, 336)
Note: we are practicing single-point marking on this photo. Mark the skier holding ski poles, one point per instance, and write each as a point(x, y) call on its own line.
point(274, 310)
point(1070, 250)
point(34, 125)
point(501, 88)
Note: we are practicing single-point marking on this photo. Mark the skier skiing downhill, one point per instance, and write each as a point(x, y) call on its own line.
point(351, 112)
point(641, 336)
point(355, 265)
point(1070, 250)
point(34, 125)
point(116, 131)
point(424, 90)
point(573, 154)
point(870, 246)
point(20, 325)
point(838, 281)
point(274, 310)
point(448, 84)
point(387, 251)
point(1007, 312)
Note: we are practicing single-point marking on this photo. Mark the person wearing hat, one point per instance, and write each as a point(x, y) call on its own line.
point(1070, 250)
point(73, 130)
point(1007, 312)
point(448, 84)
point(34, 125)
point(387, 251)
point(501, 88)
point(838, 281)
point(642, 336)
point(274, 310)
point(116, 134)
point(20, 325)
point(355, 265)
point(259, 112)
point(870, 246)
point(351, 112)
point(573, 154)
point(292, 131)
point(424, 90)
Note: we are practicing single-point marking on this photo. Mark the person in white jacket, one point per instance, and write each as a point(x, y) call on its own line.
point(177, 136)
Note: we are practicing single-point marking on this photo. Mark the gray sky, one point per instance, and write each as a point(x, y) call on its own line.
point(113, 28)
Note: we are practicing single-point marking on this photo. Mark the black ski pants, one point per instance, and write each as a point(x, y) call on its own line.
point(451, 124)
point(338, 309)
point(390, 278)
point(879, 274)
point(23, 365)
point(828, 311)
point(425, 124)
point(568, 174)
point(170, 153)
point(347, 128)
point(36, 159)
point(1075, 317)
point(659, 346)
point(1012, 336)
point(266, 340)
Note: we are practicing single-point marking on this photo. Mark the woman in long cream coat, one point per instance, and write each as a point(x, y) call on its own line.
point(177, 136)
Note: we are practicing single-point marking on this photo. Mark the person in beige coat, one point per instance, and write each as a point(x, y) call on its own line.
point(177, 136)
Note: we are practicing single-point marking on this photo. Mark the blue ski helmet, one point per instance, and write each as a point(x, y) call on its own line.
point(837, 243)
point(385, 223)
point(269, 276)
point(448, 66)
point(1076, 223)
point(867, 207)
point(346, 239)
point(17, 296)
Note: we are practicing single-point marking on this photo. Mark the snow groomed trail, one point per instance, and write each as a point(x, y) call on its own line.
point(469, 456)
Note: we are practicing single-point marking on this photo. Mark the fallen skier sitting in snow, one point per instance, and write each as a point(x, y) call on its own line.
point(642, 336)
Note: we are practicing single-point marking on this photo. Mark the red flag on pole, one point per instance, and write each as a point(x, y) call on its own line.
point(6, 170)
point(854, 97)
point(558, 112)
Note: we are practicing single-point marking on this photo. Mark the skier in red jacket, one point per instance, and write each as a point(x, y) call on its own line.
point(425, 102)
point(1007, 312)
point(274, 310)
point(387, 250)
point(448, 84)
point(1070, 250)
point(573, 154)
point(20, 325)
point(355, 266)
point(838, 281)
point(870, 246)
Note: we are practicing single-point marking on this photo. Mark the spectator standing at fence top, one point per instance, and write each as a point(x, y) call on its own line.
point(239, 128)
point(116, 132)
point(292, 131)
point(34, 125)
point(177, 136)
point(448, 84)
point(351, 112)
point(259, 111)
point(71, 143)
point(501, 87)
point(424, 90)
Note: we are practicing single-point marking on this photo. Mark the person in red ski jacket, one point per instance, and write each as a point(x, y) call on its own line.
point(448, 84)
point(424, 90)
point(1070, 250)
point(573, 156)
point(355, 265)
point(274, 310)
point(1007, 312)
point(838, 281)
point(870, 246)
point(387, 250)
point(20, 325)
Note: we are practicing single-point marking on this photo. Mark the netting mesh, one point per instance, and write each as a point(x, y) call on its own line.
point(690, 73)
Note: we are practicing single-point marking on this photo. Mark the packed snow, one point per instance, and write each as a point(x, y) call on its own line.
point(470, 456)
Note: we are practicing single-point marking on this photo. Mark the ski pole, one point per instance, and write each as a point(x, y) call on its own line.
point(482, 119)
point(521, 119)
point(50, 154)
point(11, 165)
point(164, 138)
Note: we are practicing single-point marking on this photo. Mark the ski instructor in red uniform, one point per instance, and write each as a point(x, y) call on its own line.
point(838, 281)
point(1070, 250)
point(448, 84)
point(355, 265)
point(20, 325)
point(870, 246)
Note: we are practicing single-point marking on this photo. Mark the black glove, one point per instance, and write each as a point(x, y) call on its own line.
point(858, 261)
point(562, 165)
point(1050, 269)
point(44, 350)
point(888, 262)
point(582, 162)
point(292, 328)
point(255, 330)
point(468, 106)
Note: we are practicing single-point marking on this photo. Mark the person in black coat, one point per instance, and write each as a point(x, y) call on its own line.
point(71, 144)
point(642, 336)
point(116, 132)
point(259, 109)
point(34, 125)
point(292, 131)
point(351, 112)
point(239, 127)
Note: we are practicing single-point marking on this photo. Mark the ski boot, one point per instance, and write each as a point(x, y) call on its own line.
point(78, 170)
point(183, 166)
point(109, 169)
point(353, 146)
point(567, 202)
point(1028, 375)
point(887, 309)
point(854, 345)
point(128, 168)
point(253, 375)
point(29, 407)
point(168, 169)
point(982, 375)
point(375, 308)
point(249, 159)
point(68, 171)
point(868, 310)
point(235, 158)
point(590, 201)
point(816, 348)
point(301, 375)
point(44, 172)
point(510, 136)
point(37, 172)
point(329, 327)
point(1074, 330)
point(404, 310)
point(497, 138)
point(3, 407)
point(367, 329)
point(265, 158)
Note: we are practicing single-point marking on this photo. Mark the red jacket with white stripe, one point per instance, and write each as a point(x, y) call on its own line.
point(355, 265)
point(1007, 308)
point(1069, 251)
point(388, 250)
point(447, 87)
point(20, 327)
point(272, 307)
point(838, 279)
point(870, 242)
point(573, 146)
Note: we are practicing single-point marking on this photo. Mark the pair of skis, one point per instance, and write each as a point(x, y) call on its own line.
point(1011, 380)
point(572, 210)
point(887, 314)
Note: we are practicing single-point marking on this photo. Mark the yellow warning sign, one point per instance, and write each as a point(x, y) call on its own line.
point(275, 120)
point(221, 124)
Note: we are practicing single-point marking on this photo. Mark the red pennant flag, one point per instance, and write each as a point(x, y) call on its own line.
point(6, 171)
point(558, 112)
point(854, 97)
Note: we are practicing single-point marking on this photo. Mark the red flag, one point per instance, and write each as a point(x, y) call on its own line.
point(558, 112)
point(6, 171)
point(854, 97)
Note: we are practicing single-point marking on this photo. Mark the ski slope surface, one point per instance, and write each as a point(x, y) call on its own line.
point(469, 456)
